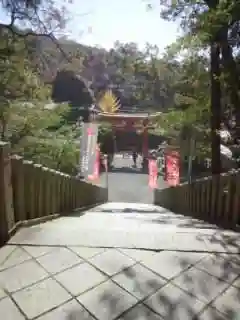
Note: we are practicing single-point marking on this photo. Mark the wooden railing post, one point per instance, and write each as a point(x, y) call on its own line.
point(65, 193)
point(207, 204)
point(214, 195)
point(38, 191)
point(18, 188)
point(7, 219)
point(68, 193)
point(46, 192)
point(61, 192)
point(236, 200)
point(75, 192)
point(29, 188)
point(221, 197)
point(58, 191)
point(52, 181)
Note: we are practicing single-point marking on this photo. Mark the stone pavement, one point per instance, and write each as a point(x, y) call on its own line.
point(129, 225)
point(127, 184)
point(50, 272)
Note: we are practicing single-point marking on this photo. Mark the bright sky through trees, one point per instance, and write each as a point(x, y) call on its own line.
point(102, 22)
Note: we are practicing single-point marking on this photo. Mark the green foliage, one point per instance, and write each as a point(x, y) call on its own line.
point(138, 79)
point(18, 82)
point(211, 25)
point(31, 136)
point(36, 129)
point(105, 133)
point(26, 117)
point(104, 129)
point(59, 153)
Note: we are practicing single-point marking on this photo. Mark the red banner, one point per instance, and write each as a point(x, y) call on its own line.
point(96, 169)
point(172, 168)
point(153, 173)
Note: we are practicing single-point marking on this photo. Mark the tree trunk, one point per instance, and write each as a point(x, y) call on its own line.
point(215, 107)
point(3, 126)
point(233, 80)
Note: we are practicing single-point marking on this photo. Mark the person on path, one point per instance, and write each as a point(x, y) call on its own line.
point(134, 157)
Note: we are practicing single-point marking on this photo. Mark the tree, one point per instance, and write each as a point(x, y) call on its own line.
point(35, 129)
point(31, 136)
point(31, 19)
point(71, 88)
point(18, 82)
point(42, 17)
point(209, 23)
point(215, 106)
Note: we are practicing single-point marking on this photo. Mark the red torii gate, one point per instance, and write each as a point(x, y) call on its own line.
point(139, 122)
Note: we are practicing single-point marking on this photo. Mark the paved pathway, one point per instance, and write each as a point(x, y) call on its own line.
point(90, 266)
point(127, 184)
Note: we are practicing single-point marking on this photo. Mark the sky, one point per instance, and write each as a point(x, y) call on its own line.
point(122, 20)
point(103, 22)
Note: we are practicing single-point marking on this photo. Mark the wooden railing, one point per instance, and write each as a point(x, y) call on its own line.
point(214, 199)
point(30, 191)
